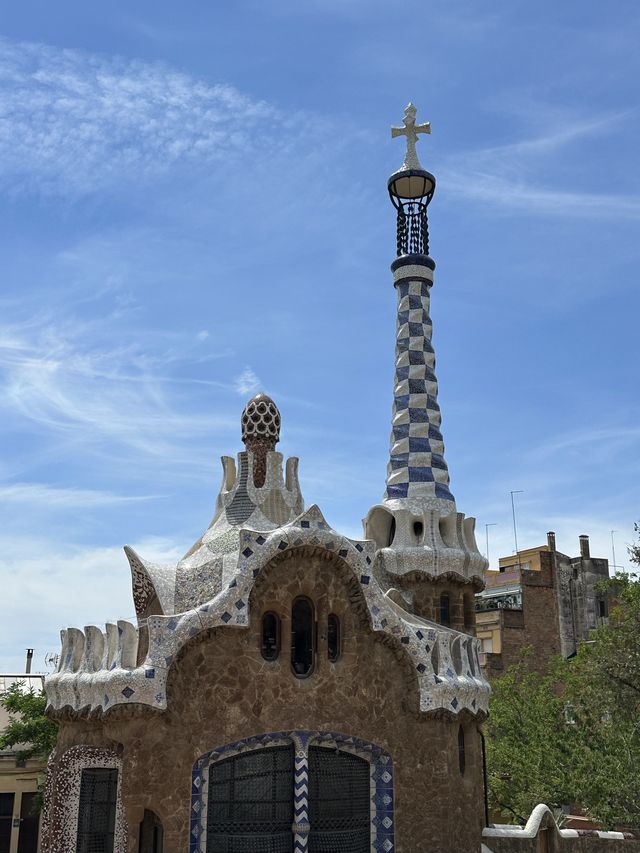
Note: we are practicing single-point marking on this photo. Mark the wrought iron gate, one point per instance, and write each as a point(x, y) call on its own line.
point(250, 806)
point(250, 802)
point(339, 802)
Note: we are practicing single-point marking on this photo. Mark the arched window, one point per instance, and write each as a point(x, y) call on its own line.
point(97, 810)
point(270, 639)
point(462, 758)
point(150, 839)
point(333, 637)
point(392, 531)
point(302, 637)
point(445, 609)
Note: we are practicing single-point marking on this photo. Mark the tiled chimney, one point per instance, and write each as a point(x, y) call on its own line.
point(551, 540)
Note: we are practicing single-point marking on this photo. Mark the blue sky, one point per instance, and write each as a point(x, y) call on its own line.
point(193, 207)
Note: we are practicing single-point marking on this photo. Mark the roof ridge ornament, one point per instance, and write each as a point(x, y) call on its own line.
point(411, 131)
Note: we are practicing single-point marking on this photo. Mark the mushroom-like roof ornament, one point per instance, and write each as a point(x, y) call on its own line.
point(260, 433)
point(261, 423)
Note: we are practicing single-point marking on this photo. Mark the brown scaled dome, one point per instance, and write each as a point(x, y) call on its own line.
point(260, 433)
point(261, 423)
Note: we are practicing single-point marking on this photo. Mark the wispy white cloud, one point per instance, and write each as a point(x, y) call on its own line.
point(247, 382)
point(603, 439)
point(510, 176)
point(51, 497)
point(72, 379)
point(71, 121)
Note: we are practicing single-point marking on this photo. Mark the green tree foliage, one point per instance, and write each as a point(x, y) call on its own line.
point(603, 686)
point(29, 731)
point(529, 744)
point(572, 736)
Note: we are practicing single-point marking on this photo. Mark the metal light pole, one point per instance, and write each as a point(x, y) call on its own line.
point(515, 528)
point(486, 530)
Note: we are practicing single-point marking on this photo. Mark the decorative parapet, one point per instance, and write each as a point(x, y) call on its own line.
point(412, 540)
point(445, 663)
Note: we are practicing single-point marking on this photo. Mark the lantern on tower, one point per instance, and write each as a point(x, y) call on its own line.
point(411, 189)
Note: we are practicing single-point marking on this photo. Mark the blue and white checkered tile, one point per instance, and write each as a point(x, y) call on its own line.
point(417, 466)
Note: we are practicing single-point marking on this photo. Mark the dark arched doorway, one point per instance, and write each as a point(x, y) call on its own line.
point(150, 839)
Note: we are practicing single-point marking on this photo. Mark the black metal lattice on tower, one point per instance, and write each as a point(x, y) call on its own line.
point(97, 810)
point(339, 802)
point(412, 235)
point(250, 802)
point(410, 191)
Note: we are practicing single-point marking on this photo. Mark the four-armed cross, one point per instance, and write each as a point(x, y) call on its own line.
point(411, 131)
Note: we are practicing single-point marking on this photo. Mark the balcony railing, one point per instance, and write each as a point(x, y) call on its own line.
point(512, 601)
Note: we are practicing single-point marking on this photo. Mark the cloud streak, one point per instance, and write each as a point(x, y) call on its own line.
point(501, 174)
point(51, 497)
point(74, 122)
point(68, 378)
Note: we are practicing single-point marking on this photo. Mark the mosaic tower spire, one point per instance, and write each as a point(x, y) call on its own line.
point(417, 528)
point(417, 473)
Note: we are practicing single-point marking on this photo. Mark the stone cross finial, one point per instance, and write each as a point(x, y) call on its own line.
point(411, 131)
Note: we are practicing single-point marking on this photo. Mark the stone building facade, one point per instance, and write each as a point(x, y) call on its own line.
point(19, 779)
point(543, 599)
point(287, 688)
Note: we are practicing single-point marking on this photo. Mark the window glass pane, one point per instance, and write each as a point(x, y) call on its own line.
point(444, 609)
point(462, 758)
point(333, 637)
point(29, 819)
point(6, 815)
point(270, 644)
point(302, 637)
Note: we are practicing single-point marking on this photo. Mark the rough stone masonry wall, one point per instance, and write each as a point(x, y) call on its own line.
point(221, 690)
point(536, 625)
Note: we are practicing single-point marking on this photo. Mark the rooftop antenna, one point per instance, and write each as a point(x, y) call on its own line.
point(613, 550)
point(51, 660)
point(515, 527)
point(486, 530)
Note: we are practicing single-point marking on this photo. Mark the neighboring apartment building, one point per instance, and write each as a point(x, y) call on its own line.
point(540, 598)
point(19, 823)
